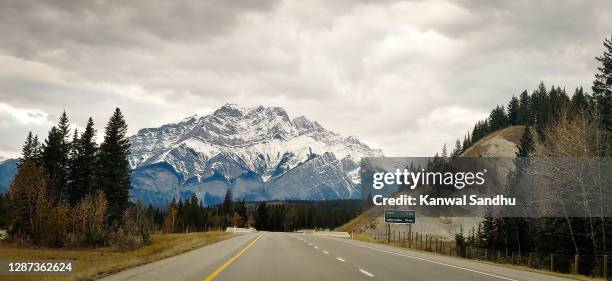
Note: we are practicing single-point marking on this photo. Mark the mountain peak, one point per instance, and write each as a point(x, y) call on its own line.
point(231, 109)
point(250, 148)
point(305, 124)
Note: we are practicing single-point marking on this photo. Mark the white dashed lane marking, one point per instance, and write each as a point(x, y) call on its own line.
point(326, 252)
point(340, 259)
point(366, 273)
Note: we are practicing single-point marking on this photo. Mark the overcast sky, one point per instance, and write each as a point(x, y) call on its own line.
point(402, 76)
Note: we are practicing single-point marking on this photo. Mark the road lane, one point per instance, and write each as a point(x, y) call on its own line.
point(290, 256)
point(390, 263)
point(193, 265)
point(281, 256)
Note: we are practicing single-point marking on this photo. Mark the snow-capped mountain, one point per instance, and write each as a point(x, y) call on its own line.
point(260, 153)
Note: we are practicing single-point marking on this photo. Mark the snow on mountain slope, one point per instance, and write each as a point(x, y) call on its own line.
point(259, 152)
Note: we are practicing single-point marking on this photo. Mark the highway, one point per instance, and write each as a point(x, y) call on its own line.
point(269, 256)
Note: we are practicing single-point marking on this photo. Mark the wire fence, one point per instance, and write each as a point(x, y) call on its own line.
point(597, 266)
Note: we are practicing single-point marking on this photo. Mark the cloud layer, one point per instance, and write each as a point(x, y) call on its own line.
point(403, 76)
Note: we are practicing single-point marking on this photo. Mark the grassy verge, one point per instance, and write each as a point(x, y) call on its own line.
point(92, 263)
point(367, 238)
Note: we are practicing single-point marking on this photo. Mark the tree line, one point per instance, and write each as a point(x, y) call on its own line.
point(69, 191)
point(191, 215)
point(544, 106)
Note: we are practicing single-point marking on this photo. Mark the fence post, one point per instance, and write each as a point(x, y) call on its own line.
point(552, 258)
point(421, 241)
point(605, 267)
point(485, 254)
point(576, 260)
point(436, 245)
point(498, 256)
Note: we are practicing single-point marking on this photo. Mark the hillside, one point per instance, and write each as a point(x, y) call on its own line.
point(501, 143)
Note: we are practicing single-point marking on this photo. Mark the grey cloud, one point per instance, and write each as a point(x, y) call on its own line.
point(381, 70)
point(29, 27)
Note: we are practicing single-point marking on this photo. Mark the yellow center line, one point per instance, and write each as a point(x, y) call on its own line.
point(230, 261)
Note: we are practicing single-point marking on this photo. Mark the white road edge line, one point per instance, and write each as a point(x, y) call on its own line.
point(432, 261)
point(366, 273)
point(340, 259)
point(326, 252)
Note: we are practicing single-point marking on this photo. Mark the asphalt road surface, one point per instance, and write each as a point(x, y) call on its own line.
point(269, 256)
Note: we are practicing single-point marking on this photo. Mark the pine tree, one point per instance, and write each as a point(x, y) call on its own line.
point(54, 158)
point(526, 145)
point(467, 142)
point(27, 150)
point(497, 120)
point(524, 115)
point(540, 108)
point(579, 103)
point(513, 111)
point(444, 152)
point(83, 163)
point(114, 171)
point(487, 231)
point(457, 150)
point(602, 91)
point(227, 202)
point(73, 154)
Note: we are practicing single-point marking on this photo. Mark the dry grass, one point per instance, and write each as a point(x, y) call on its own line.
point(367, 238)
point(91, 263)
point(365, 220)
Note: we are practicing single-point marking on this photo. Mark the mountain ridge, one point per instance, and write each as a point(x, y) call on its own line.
point(259, 152)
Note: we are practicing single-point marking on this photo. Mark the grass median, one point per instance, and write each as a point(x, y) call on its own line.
point(92, 263)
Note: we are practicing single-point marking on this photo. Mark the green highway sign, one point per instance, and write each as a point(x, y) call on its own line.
point(400, 216)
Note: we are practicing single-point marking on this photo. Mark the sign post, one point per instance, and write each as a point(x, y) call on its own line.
point(398, 217)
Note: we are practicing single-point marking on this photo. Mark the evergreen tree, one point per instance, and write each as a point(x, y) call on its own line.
point(466, 142)
point(579, 103)
point(83, 163)
point(37, 151)
point(602, 91)
point(540, 108)
point(487, 232)
point(28, 149)
point(227, 203)
point(497, 120)
point(513, 111)
point(262, 216)
point(524, 116)
point(457, 150)
point(526, 145)
point(444, 152)
point(52, 158)
point(114, 171)
point(72, 156)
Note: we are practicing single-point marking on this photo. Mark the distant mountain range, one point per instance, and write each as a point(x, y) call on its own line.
point(259, 153)
point(8, 169)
